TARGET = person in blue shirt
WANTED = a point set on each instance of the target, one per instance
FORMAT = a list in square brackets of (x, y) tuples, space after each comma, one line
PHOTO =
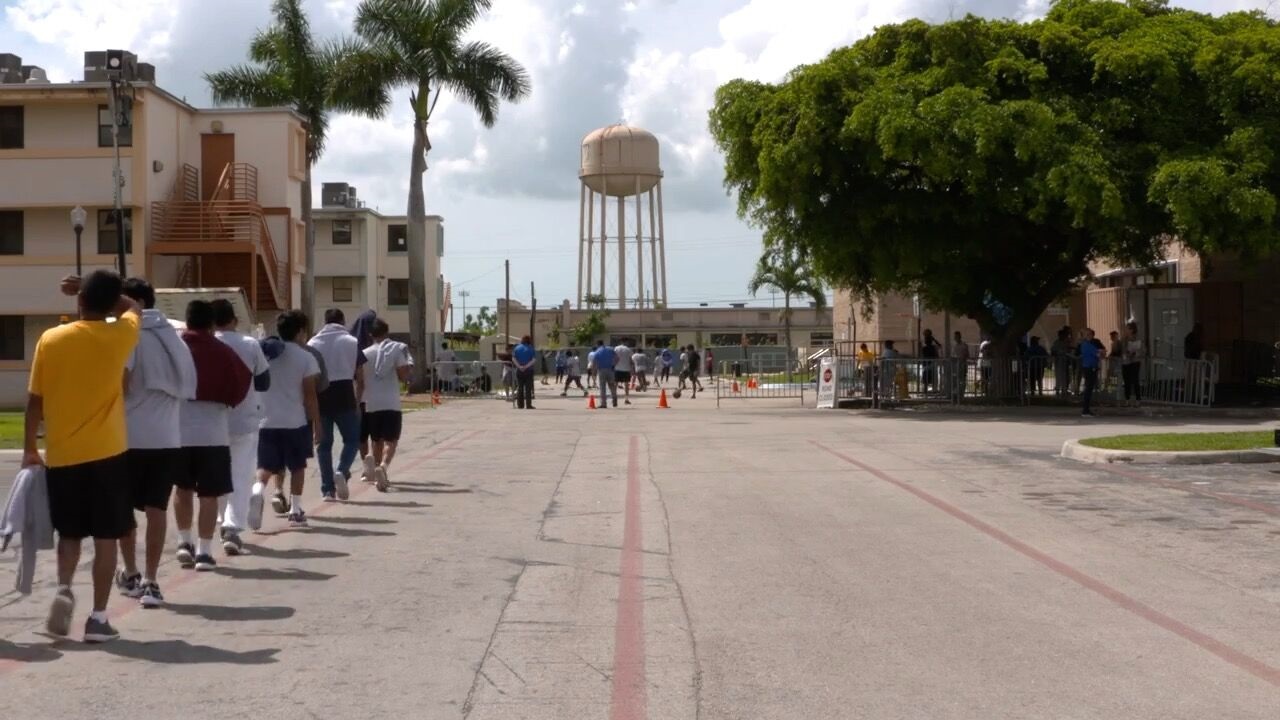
[(1090, 361), (605, 360), (524, 357)]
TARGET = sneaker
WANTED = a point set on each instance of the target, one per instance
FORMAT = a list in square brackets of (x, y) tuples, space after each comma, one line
[(380, 478), (151, 596), (99, 631), (186, 555), (628, 402), (205, 562), (280, 503), (342, 482), (64, 604), (231, 542), (298, 519), (129, 585), (369, 465), (564, 394), (329, 497), (256, 502)]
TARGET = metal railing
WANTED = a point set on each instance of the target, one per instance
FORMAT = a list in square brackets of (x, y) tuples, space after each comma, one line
[(733, 384), (475, 379)]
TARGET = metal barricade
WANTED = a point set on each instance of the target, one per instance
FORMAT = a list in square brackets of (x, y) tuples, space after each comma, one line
[(1175, 381), (476, 379), (756, 385)]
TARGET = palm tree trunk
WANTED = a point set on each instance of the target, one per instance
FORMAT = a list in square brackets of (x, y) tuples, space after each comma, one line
[(786, 325), (308, 303), (417, 232)]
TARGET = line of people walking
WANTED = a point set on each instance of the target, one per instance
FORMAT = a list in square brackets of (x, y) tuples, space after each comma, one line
[(138, 412)]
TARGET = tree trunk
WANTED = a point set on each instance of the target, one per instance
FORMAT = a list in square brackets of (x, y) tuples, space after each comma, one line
[(786, 328), (308, 304), (417, 232)]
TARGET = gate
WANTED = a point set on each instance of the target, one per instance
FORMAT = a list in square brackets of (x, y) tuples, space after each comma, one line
[(734, 384), (476, 379)]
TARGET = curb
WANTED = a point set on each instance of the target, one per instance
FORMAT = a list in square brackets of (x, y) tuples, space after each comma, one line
[(1075, 450)]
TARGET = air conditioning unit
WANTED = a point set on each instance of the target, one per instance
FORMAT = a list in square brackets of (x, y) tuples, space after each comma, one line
[(103, 65), (334, 195), (10, 68)]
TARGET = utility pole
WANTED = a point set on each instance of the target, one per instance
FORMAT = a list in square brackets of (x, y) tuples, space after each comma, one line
[(464, 294), (533, 313), (506, 330)]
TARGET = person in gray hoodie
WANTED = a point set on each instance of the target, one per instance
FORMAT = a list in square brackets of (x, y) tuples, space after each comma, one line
[(388, 365), (159, 377)]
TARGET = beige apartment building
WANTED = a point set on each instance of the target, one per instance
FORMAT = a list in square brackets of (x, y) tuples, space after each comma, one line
[(212, 198), (362, 261)]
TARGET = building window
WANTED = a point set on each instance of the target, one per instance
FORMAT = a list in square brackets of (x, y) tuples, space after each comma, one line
[(11, 127), (104, 129), (12, 340), (439, 241), (341, 232), (11, 232), (344, 289), (108, 238), (821, 339), (397, 238), (397, 292)]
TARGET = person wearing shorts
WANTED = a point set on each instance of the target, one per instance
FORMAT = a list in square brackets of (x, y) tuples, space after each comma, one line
[(290, 427), (623, 368), (387, 364), (159, 377), (75, 389), (222, 382)]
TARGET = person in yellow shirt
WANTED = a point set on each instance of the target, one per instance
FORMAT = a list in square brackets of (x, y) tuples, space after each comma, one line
[(866, 358), (76, 387)]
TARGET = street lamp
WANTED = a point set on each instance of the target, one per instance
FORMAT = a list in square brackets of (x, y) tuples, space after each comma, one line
[(78, 216)]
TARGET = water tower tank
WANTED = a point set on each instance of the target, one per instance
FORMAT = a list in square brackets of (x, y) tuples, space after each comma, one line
[(615, 158)]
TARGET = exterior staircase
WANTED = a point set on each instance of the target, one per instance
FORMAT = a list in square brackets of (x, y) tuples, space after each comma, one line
[(223, 241)]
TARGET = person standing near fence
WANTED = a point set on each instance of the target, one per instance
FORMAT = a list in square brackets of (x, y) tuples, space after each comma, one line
[(930, 351), (866, 359), (573, 373), (711, 365), (960, 360), (525, 357), (1061, 351), (604, 359), (1131, 369), (1115, 359), (1037, 356), (1090, 362), (561, 364)]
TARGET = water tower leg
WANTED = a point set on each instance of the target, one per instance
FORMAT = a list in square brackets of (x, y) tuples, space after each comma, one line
[(582, 235), (662, 244), (639, 249), (590, 198), (622, 252), (604, 234), (654, 292)]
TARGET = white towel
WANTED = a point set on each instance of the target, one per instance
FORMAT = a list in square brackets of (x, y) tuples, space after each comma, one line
[(388, 353), (163, 358)]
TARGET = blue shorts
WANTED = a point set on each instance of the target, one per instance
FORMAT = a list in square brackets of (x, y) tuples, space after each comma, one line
[(281, 449)]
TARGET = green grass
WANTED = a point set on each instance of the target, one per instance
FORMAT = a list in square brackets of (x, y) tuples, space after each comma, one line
[(10, 430), (1184, 441), (781, 377)]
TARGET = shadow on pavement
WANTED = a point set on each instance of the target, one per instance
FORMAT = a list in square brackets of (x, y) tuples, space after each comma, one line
[(295, 553), (348, 532), (352, 520), (27, 653), (178, 652), (226, 612), (273, 574), (390, 504), (412, 488)]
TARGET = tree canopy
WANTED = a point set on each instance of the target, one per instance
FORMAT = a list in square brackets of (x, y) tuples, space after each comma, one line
[(985, 163)]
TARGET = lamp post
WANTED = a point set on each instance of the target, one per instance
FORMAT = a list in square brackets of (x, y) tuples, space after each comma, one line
[(78, 216)]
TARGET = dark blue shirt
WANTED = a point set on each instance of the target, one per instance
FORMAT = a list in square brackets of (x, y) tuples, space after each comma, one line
[(1090, 354), (605, 358), (523, 355)]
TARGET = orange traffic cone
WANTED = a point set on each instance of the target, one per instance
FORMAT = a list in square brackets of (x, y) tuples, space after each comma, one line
[(751, 383), (591, 402), (435, 398), (735, 386), (662, 400)]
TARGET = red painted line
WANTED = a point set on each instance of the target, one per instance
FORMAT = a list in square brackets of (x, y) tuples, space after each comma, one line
[(1221, 497), (1249, 664), (629, 698), (179, 579)]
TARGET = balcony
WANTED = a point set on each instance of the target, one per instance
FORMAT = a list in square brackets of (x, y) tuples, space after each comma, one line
[(224, 239)]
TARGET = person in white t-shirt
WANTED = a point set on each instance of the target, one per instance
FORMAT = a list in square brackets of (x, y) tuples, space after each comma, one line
[(641, 363), (290, 427), (623, 367), (388, 364), (233, 509)]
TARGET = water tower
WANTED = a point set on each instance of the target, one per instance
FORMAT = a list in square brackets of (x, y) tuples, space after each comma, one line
[(624, 263)]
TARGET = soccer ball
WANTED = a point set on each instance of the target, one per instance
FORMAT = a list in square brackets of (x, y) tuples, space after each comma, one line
[(676, 393)]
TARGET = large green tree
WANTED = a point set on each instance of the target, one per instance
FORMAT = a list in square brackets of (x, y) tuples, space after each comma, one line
[(985, 163), (291, 69), (784, 270), (419, 44)]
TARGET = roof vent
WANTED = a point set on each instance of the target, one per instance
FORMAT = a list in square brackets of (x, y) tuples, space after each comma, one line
[(35, 75)]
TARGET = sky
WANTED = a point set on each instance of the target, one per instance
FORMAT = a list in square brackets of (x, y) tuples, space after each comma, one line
[(511, 192)]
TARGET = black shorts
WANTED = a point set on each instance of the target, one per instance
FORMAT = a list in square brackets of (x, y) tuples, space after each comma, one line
[(622, 376), (152, 473), (281, 449), (92, 499), (364, 425), (384, 425), (206, 470)]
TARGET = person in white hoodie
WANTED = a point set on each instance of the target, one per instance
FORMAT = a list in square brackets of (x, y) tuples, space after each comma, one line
[(389, 364), (233, 509), (339, 403), (158, 378)]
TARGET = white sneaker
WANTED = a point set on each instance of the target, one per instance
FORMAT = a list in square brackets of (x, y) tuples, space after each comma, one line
[(340, 484), (369, 466), (380, 478), (256, 502)]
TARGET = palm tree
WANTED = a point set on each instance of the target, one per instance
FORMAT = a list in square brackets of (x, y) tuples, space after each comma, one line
[(783, 270), (419, 44), (292, 70)]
